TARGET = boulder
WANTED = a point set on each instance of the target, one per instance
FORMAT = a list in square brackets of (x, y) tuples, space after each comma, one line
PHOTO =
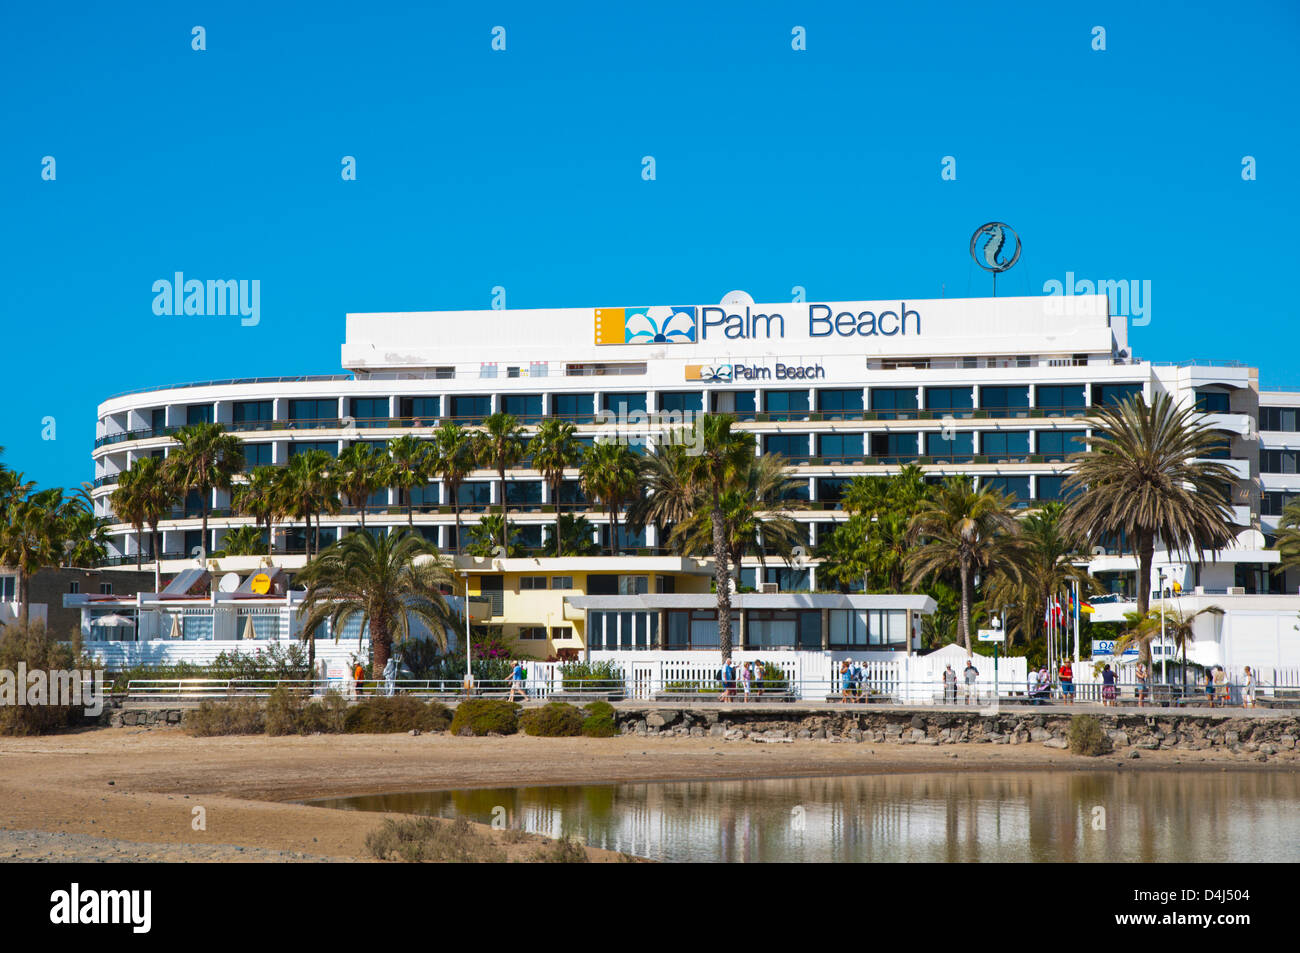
[(1039, 734), (1056, 743)]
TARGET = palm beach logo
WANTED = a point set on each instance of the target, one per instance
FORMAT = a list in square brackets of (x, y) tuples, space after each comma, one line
[(652, 325), (995, 246)]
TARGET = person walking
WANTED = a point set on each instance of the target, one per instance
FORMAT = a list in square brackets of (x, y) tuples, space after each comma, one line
[(971, 674), (728, 681), (746, 678), (517, 681), (359, 677), (1248, 689), (1108, 686), (949, 686), (1066, 675), (846, 680)]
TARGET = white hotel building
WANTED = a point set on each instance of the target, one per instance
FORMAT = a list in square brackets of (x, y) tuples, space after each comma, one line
[(991, 387)]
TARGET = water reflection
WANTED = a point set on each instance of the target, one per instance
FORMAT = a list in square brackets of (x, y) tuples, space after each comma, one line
[(1042, 816)]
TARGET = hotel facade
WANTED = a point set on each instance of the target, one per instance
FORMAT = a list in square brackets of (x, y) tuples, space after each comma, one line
[(996, 388)]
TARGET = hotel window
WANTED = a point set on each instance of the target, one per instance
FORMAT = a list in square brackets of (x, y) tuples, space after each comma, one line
[(539, 369), (738, 402), (424, 497), (8, 588), (625, 540), (1017, 486), (575, 408), (487, 370), (840, 446), (1008, 445), (1053, 488), (257, 455), (1103, 394), (444, 373), (798, 489), (949, 399), (959, 448), (894, 403), (365, 409), (831, 489), (1273, 502), (602, 584), (621, 404), (774, 628), (633, 585), (105, 588), (665, 585), (423, 409), (571, 493), (524, 492), (561, 582), (696, 628), (471, 409), (1065, 401), (327, 446), (1212, 402), (527, 407), (246, 414), (786, 404), (561, 632), (532, 633), (1280, 419), (158, 419), (74, 588), (1058, 444), (854, 628), (681, 400), (793, 446), (512, 372), (1220, 449), (1005, 401), (840, 404), (314, 413), (895, 446), (198, 414), (1279, 461), (623, 630), (475, 493)]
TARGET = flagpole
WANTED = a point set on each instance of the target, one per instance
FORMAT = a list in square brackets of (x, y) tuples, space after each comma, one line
[(1077, 596)]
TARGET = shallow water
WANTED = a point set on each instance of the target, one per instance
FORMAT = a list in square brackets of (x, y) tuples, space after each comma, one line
[(1066, 816)]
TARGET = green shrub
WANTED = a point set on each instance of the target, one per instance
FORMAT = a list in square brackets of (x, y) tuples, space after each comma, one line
[(485, 716), (325, 716), (578, 676), (771, 679), (552, 720), (431, 841), (563, 851), (285, 711), (386, 715), (35, 648), (275, 662), (600, 720), (692, 688), (241, 717), (1087, 737)]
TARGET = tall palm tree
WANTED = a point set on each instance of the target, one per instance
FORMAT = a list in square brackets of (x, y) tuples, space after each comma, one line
[(85, 535), (360, 472), (128, 503), (453, 447), (554, 449), (242, 541), (386, 582), (484, 538), (262, 497), (500, 446), (610, 476), (30, 540), (206, 459), (1288, 537), (723, 459), (668, 498), (1144, 475), (158, 494), (963, 529), (308, 490), (409, 465)]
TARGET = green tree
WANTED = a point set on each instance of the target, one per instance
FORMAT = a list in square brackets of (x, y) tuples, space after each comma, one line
[(963, 530), (1145, 476), (30, 540), (308, 490), (454, 461), (359, 472), (262, 496), (486, 535), (386, 582), (610, 476), (206, 459), (554, 450), (667, 496), (242, 541), (409, 466), (499, 446), (1288, 537)]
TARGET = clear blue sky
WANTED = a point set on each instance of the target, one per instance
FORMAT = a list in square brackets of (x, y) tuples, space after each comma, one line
[(522, 168)]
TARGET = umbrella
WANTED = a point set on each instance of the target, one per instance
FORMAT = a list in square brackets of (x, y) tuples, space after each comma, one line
[(176, 628), (249, 631), (113, 619)]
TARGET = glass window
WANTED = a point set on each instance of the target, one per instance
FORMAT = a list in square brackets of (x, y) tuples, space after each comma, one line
[(158, 419), (1008, 443), (1052, 488), (419, 408), (1055, 400), (365, 409), (840, 404), (198, 414), (302, 446), (474, 493), (527, 407), (621, 404), (1004, 398), (524, 492), (1278, 461), (831, 489), (786, 404), (1103, 394), (840, 446), (245, 412), (1060, 443), (471, 409), (1280, 419), (891, 400), (575, 408), (769, 628), (794, 446), (681, 400), (314, 413), (949, 398), (1009, 485), (595, 630), (961, 444), (895, 446), (561, 582), (529, 583), (257, 455), (738, 402), (1212, 402)]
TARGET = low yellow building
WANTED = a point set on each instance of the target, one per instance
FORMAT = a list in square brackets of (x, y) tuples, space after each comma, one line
[(526, 596)]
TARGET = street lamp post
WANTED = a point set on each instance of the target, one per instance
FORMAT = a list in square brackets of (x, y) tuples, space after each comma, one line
[(469, 672), (1163, 680)]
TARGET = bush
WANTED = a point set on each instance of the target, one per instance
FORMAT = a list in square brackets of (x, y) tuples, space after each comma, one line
[(428, 840), (563, 851), (552, 720), (577, 676), (1087, 737), (600, 721), (38, 651), (485, 716), (242, 717), (276, 662), (771, 679), (383, 715), (285, 711)]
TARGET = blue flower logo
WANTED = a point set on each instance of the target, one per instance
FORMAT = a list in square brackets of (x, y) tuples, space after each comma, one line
[(659, 325)]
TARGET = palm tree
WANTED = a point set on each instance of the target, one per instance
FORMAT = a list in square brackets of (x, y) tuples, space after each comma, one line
[(963, 529), (308, 490), (29, 541), (243, 541), (1144, 476), (262, 497), (555, 449), (384, 581), (668, 497), (127, 501), (453, 448), (485, 535), (577, 532), (410, 463), (610, 476), (208, 458), (887, 506), (1142, 629), (157, 495), (842, 554), (360, 471), (500, 446), (723, 458), (85, 535), (1288, 537)]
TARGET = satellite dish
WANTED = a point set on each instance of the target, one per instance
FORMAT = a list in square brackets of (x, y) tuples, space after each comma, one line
[(229, 582), (1099, 550), (737, 298)]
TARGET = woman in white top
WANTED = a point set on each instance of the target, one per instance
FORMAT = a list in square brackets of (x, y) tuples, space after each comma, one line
[(1248, 689), (746, 676)]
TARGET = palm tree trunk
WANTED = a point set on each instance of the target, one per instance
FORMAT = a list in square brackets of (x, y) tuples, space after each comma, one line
[(363, 511), (455, 503), (379, 646), (559, 545), (502, 474), (157, 560), (722, 579), (410, 505), (1146, 556), (965, 603), (22, 596), (203, 508), (139, 545)]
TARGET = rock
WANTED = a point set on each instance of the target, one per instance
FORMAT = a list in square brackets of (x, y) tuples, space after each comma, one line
[(710, 717), (1231, 738), (1287, 742), (655, 719), (819, 733), (1268, 749), (1119, 738), (1055, 743), (413, 732), (1039, 734), (697, 732), (717, 731), (927, 741), (918, 723), (1261, 757), (803, 734), (733, 734), (917, 734), (1134, 754), (1149, 745)]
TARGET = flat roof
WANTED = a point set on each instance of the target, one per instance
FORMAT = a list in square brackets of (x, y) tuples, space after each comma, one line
[(753, 600)]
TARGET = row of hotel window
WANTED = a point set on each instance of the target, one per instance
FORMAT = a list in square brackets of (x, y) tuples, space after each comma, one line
[(764, 628), (783, 404)]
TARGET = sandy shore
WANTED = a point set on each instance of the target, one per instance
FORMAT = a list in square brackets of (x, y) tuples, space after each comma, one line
[(130, 793)]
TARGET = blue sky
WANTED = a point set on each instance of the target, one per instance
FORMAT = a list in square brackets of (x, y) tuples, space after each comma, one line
[(522, 168)]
